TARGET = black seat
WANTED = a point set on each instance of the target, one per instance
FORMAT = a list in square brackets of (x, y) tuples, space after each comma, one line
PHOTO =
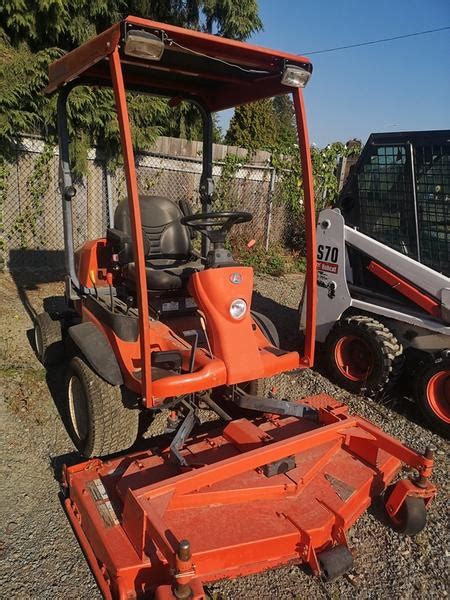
[(169, 257)]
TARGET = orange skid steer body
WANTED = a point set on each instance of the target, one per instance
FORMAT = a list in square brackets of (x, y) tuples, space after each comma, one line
[(283, 485)]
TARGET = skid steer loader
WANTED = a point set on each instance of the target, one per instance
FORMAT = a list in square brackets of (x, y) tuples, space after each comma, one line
[(383, 272)]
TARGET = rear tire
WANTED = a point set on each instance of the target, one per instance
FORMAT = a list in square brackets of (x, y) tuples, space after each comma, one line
[(432, 394), (362, 355), (100, 423), (48, 340)]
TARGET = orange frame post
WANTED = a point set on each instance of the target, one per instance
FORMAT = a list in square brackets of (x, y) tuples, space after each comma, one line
[(136, 224), (310, 228)]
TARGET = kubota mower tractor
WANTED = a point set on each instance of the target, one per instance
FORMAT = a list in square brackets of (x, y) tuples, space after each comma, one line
[(153, 326), (383, 273)]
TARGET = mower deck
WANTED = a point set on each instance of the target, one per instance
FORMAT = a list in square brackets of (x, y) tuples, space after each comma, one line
[(255, 496)]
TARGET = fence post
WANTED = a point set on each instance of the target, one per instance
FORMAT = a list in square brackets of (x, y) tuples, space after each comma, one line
[(270, 206), (109, 197)]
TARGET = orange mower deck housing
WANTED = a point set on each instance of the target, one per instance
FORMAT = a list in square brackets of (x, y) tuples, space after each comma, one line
[(130, 513)]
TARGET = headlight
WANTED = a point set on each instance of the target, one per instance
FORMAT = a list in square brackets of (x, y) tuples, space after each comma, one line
[(143, 44), (238, 308), (295, 76)]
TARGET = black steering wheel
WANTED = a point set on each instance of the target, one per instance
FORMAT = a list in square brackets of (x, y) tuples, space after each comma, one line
[(215, 225)]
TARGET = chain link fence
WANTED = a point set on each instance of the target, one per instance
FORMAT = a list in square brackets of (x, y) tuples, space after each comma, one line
[(31, 215)]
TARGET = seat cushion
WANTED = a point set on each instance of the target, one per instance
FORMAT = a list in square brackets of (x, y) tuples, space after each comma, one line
[(163, 277)]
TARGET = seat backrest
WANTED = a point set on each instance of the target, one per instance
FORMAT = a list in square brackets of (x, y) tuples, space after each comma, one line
[(165, 238)]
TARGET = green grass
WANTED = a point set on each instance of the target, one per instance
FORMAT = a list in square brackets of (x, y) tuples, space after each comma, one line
[(275, 261)]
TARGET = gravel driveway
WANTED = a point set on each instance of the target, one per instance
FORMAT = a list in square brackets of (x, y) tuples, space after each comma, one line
[(40, 557)]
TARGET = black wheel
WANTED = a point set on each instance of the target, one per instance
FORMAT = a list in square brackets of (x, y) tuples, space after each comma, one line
[(411, 518), (100, 422), (362, 355), (258, 386), (432, 394), (48, 340), (335, 562), (267, 327)]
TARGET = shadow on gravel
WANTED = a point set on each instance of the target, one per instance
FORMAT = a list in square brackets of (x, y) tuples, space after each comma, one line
[(378, 510), (30, 281), (284, 318), (68, 459)]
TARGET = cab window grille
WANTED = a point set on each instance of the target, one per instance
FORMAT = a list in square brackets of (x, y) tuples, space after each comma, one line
[(432, 167), (386, 198)]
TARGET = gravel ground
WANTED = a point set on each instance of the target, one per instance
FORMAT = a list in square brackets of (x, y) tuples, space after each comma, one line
[(40, 557)]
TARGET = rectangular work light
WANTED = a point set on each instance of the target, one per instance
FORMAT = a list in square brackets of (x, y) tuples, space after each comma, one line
[(295, 76), (143, 44)]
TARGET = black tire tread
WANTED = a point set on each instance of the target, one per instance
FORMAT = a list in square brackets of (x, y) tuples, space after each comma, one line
[(260, 387), (113, 426), (411, 517), (51, 336), (391, 349), (267, 327)]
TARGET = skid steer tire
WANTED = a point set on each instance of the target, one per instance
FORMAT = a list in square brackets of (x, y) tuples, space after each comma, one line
[(100, 423), (432, 394), (48, 340), (363, 356)]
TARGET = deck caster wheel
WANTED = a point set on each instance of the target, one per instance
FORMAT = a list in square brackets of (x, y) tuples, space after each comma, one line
[(411, 518), (335, 562), (48, 340)]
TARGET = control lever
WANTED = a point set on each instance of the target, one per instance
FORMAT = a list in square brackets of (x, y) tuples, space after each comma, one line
[(129, 302), (192, 333), (92, 278), (109, 281)]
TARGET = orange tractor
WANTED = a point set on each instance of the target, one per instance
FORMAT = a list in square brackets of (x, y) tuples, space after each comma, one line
[(154, 326)]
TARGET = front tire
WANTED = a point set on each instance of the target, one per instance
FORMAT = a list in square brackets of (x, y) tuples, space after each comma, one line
[(432, 394), (258, 387), (362, 355), (100, 423), (267, 327)]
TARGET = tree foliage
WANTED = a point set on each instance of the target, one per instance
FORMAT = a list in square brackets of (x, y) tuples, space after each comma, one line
[(263, 125), (237, 20), (270, 125), (253, 126), (33, 33), (285, 121)]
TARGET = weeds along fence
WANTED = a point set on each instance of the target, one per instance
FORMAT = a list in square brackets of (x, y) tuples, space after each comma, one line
[(30, 209)]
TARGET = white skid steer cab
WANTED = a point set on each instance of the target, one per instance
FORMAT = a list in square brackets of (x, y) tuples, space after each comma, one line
[(383, 273)]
